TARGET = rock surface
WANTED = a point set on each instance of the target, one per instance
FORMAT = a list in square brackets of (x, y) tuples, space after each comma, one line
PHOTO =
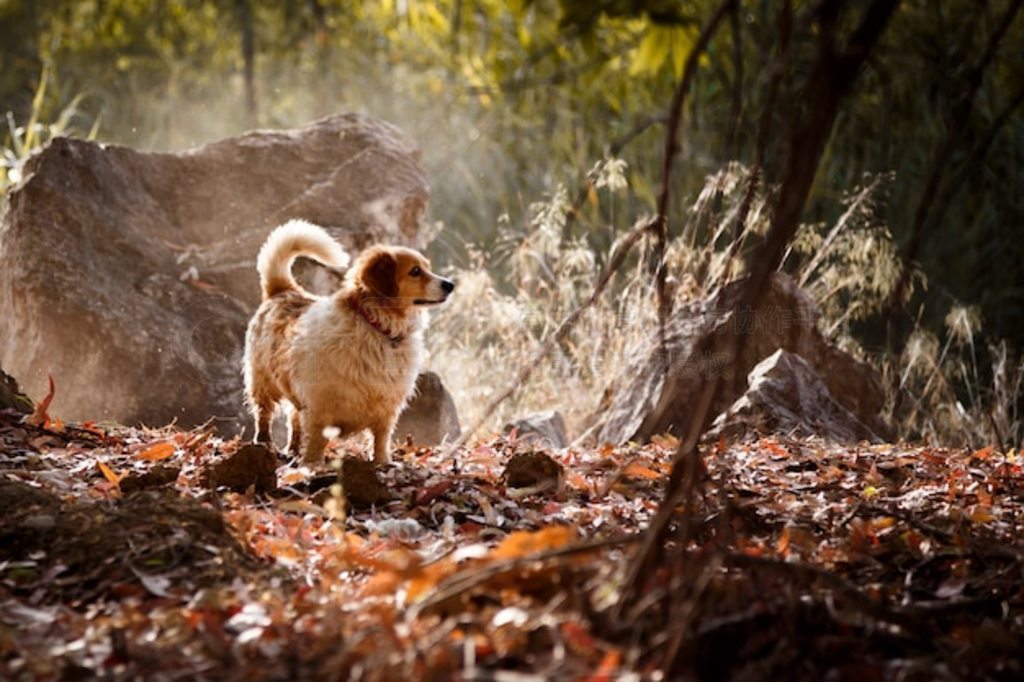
[(647, 399), (130, 276), (431, 416), (11, 397), (787, 396), (544, 429)]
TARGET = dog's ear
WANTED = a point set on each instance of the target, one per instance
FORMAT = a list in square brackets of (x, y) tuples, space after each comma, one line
[(380, 275)]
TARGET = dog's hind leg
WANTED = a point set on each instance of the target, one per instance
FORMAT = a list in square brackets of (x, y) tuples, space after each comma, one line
[(295, 434)]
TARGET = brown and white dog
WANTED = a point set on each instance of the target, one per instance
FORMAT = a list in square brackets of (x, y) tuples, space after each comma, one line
[(347, 361)]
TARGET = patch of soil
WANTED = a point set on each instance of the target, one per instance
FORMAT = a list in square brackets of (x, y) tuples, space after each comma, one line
[(160, 475), (531, 469), (77, 552), (251, 465), (360, 483)]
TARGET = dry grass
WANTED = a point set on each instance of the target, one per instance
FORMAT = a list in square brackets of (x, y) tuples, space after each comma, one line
[(944, 388)]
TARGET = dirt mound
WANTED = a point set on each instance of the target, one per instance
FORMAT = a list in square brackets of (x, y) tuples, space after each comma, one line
[(80, 551)]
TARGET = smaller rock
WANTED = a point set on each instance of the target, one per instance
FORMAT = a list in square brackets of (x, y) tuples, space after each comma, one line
[(360, 484), (543, 429), (161, 474), (430, 417), (787, 395), (251, 465), (11, 397), (533, 470), (400, 529)]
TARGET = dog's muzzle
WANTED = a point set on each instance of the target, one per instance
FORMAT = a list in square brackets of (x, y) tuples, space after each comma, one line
[(447, 287)]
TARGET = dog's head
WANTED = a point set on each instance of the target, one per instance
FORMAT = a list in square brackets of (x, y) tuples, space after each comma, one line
[(399, 278)]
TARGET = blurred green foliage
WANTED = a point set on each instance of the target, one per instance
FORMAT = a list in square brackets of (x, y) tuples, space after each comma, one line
[(514, 102)]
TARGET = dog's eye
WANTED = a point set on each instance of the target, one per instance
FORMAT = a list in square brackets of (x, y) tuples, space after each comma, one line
[(415, 272)]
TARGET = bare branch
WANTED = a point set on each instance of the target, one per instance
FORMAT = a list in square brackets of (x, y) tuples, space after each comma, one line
[(831, 77)]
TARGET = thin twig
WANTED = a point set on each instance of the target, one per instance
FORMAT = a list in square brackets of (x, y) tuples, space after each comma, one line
[(467, 580), (736, 119), (660, 223), (764, 125)]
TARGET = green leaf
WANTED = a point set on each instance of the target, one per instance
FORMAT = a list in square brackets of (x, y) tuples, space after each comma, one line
[(652, 52)]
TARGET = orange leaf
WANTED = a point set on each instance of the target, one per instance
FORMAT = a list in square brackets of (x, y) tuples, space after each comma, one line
[(39, 416), (754, 550), (983, 453), (575, 480), (108, 473), (203, 286), (666, 440), (282, 549), (292, 477), (523, 543), (637, 470), (782, 546), (606, 669), (91, 427), (385, 582), (981, 515), (155, 453), (774, 448), (429, 577), (578, 638)]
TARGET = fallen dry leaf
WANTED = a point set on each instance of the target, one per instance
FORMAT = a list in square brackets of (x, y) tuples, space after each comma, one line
[(158, 452), (39, 416)]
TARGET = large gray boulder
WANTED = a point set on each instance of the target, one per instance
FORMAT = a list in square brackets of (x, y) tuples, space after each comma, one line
[(786, 396), (129, 276), (656, 391)]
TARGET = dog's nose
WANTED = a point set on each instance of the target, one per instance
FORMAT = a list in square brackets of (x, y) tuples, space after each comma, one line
[(448, 286)]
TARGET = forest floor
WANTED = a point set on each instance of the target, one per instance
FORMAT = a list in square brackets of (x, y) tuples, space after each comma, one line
[(816, 562)]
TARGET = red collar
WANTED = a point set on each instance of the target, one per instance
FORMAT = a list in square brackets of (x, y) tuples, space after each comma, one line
[(375, 323)]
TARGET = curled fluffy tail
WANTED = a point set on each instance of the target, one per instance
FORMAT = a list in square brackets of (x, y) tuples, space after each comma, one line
[(295, 238)]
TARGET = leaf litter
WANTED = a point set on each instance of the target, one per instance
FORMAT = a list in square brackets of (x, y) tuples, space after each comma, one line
[(809, 561)]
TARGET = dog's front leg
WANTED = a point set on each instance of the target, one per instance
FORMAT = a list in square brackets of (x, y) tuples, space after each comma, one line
[(313, 441), (262, 411), (382, 442)]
